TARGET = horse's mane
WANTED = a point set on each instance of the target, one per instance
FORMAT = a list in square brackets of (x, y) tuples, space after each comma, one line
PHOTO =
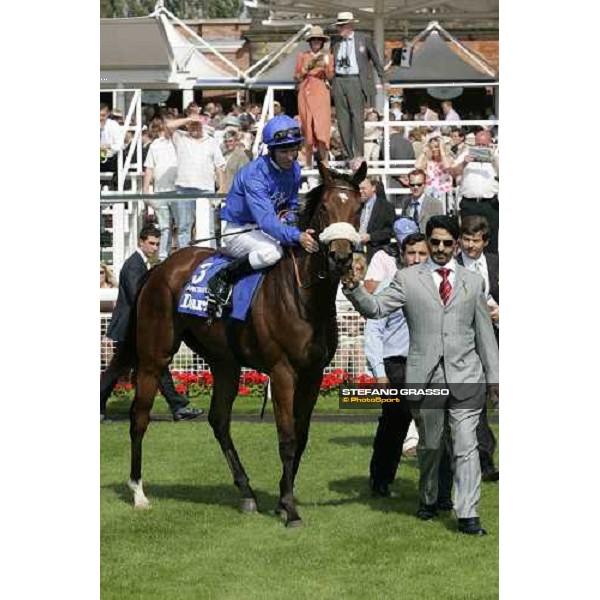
[(314, 197)]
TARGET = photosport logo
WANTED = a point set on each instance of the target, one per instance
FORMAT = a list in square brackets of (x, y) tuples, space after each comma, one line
[(373, 395), (414, 395)]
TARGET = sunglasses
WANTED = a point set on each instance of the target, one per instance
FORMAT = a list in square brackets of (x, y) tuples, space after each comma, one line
[(102, 273), (279, 136), (435, 242), (416, 184)]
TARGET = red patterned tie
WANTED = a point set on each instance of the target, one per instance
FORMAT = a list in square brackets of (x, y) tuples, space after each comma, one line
[(445, 287)]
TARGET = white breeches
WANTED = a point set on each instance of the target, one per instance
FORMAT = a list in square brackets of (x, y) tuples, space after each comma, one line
[(262, 249)]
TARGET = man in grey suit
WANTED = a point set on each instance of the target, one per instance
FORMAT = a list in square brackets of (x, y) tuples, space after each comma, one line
[(420, 207), (452, 345), (352, 87)]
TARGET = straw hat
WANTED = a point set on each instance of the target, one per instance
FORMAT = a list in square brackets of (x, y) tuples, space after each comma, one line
[(316, 33), (345, 17)]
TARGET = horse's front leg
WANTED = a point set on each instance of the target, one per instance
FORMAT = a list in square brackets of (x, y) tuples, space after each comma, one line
[(283, 384), (307, 392)]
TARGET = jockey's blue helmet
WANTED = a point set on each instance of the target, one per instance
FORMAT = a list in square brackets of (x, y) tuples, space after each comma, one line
[(282, 131)]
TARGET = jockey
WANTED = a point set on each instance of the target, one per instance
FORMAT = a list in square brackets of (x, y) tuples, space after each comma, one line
[(259, 193)]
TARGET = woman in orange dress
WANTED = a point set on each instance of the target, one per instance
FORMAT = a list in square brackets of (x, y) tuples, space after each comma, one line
[(314, 70)]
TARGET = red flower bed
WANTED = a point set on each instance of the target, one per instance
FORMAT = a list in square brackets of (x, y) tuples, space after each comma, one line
[(252, 383)]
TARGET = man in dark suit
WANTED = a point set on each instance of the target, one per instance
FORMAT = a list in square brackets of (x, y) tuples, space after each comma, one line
[(377, 218), (474, 238), (130, 279), (352, 87)]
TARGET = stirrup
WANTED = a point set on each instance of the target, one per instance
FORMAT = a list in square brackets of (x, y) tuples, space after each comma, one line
[(216, 305)]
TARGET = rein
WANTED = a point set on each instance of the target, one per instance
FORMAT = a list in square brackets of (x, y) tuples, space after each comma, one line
[(321, 275)]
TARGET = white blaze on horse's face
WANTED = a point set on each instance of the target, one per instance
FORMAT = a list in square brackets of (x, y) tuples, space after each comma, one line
[(343, 197)]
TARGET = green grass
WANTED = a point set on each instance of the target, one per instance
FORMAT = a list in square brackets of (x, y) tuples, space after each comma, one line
[(194, 543), (243, 405)]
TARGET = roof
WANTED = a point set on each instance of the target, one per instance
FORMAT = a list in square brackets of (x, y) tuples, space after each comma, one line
[(435, 62), (282, 72), (149, 52), (133, 44)]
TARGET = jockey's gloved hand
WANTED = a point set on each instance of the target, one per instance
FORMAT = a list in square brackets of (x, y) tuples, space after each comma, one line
[(308, 242)]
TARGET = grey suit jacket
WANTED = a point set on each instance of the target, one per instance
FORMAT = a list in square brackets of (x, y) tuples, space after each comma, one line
[(365, 51), (430, 207), (400, 148), (461, 332)]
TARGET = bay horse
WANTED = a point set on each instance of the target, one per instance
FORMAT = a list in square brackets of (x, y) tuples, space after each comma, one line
[(290, 334)]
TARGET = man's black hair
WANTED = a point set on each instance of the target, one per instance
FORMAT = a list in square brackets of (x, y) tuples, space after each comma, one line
[(450, 224), (149, 231), (411, 240)]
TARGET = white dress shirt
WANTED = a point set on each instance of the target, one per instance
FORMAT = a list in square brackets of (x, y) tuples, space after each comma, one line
[(478, 178), (112, 134), (144, 258), (452, 115), (347, 45)]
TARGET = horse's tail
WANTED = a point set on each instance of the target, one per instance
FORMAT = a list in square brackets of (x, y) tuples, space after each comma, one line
[(128, 348)]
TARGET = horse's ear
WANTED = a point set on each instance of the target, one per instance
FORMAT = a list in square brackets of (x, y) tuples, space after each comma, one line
[(325, 172), (360, 175)]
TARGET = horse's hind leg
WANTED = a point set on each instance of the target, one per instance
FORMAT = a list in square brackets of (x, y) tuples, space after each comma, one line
[(139, 416), (225, 389)]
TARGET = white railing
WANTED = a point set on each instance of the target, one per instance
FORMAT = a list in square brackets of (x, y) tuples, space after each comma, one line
[(349, 356), (126, 211)]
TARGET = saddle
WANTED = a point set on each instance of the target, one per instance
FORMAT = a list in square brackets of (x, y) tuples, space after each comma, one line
[(194, 296)]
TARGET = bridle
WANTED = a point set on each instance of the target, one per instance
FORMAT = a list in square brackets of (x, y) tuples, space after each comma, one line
[(321, 274)]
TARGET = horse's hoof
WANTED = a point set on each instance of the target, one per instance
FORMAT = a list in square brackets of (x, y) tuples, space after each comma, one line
[(141, 504), (248, 505)]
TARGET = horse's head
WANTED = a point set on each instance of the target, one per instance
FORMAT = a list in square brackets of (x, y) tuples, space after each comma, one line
[(332, 211)]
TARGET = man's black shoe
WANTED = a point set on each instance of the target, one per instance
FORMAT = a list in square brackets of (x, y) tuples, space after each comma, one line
[(186, 414), (490, 475), (427, 512), (471, 526), (445, 505), (380, 489)]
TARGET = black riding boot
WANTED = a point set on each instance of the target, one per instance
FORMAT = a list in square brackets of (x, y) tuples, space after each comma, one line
[(219, 286)]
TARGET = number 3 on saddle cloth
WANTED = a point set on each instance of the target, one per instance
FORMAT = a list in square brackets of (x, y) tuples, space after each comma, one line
[(194, 297)]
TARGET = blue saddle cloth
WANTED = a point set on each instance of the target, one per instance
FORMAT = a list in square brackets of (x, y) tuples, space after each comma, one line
[(194, 297)]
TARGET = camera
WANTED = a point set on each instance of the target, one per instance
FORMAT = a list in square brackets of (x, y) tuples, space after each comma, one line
[(343, 63)]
